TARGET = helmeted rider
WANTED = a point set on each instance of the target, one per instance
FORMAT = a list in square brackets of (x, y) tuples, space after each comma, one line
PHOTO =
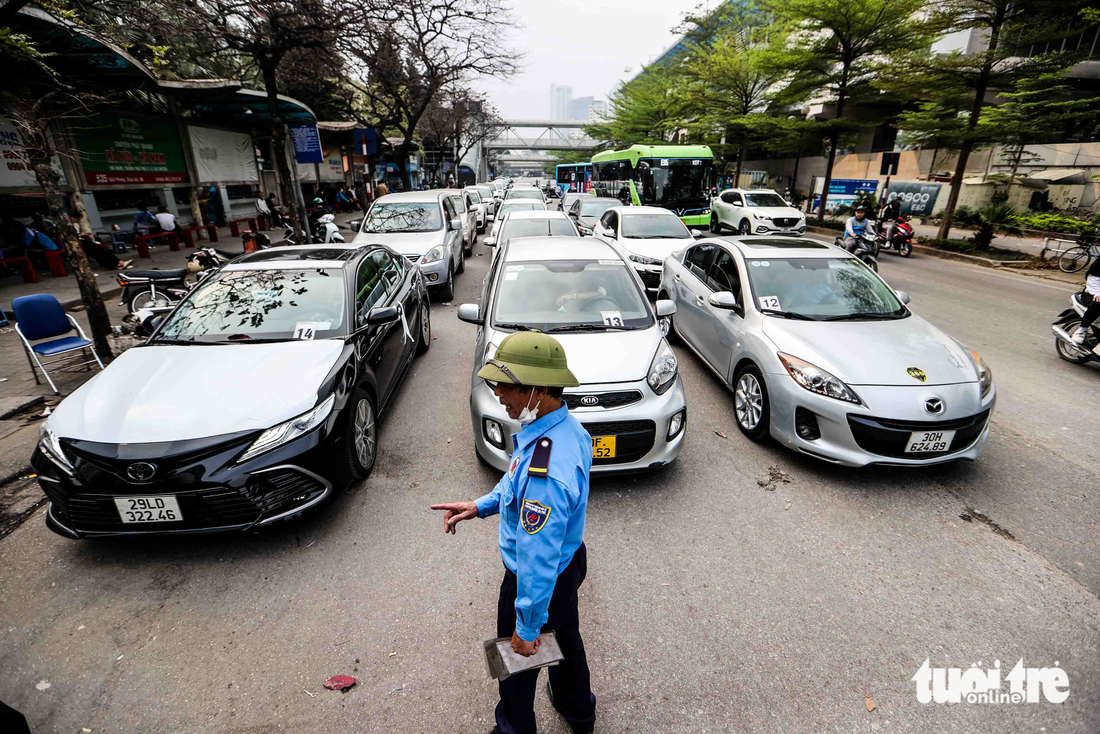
[(1092, 312), (855, 228), (889, 218)]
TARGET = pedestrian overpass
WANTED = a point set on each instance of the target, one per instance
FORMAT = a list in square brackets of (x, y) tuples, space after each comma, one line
[(548, 135)]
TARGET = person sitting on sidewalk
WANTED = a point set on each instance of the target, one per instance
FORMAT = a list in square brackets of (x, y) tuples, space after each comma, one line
[(95, 249), (144, 219), (167, 220)]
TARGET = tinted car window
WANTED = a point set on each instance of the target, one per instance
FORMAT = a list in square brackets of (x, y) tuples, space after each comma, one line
[(402, 217), (768, 199), (697, 259), (728, 197), (515, 228), (370, 287), (391, 271), (722, 275), (822, 287), (596, 206)]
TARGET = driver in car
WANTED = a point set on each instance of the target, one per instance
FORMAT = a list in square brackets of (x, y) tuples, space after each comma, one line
[(596, 290)]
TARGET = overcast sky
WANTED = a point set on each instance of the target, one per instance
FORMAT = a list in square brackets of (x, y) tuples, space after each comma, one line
[(583, 44)]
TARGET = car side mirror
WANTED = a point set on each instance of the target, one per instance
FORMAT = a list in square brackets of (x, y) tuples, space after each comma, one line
[(696, 233), (723, 299), (490, 217), (902, 296), (383, 315), (456, 223), (470, 313), (355, 224), (665, 307), (489, 241)]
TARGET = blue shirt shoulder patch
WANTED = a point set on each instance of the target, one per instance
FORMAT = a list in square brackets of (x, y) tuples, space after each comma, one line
[(533, 515)]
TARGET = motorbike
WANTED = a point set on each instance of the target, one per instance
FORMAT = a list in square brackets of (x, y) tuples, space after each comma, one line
[(866, 247), (900, 237), (1067, 323), (328, 230), (142, 289)]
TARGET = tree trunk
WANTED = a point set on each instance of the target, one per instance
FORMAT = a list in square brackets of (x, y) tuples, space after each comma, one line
[(932, 165), (100, 323), (740, 162), (279, 146), (834, 140), (402, 153), (196, 212), (794, 176)]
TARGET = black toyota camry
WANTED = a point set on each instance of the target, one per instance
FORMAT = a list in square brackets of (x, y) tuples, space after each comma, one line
[(255, 399)]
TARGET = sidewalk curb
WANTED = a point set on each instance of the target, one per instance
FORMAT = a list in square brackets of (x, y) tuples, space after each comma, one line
[(984, 262), (17, 475), (80, 301), (37, 400)]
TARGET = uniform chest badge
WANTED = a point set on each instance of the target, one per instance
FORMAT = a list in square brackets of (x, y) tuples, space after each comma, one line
[(533, 516), (512, 468)]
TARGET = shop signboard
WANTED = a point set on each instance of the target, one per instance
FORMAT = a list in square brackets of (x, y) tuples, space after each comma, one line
[(844, 191), (223, 156), (123, 149), (332, 167), (15, 171), (917, 197), (307, 143)]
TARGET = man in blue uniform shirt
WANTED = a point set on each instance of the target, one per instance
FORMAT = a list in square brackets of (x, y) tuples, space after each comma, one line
[(542, 502)]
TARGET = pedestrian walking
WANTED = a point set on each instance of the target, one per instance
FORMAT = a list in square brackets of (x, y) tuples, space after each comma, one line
[(542, 502), (382, 188)]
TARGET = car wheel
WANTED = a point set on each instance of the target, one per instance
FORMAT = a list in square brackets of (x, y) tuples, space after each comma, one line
[(715, 225), (145, 299), (750, 402), (425, 340), (461, 261), (360, 444), (745, 229), (447, 290), (1071, 353)]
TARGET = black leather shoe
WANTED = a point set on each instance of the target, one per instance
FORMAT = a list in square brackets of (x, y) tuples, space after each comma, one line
[(550, 693)]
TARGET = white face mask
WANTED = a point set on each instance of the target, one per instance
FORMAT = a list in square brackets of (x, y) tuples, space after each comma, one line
[(529, 414)]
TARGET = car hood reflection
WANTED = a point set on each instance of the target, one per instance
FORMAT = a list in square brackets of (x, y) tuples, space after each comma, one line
[(406, 243), (604, 356), (172, 393)]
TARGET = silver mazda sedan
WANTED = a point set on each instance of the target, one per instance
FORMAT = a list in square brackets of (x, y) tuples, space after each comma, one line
[(631, 399), (823, 355)]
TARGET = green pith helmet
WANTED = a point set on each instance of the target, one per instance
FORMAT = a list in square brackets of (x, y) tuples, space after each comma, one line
[(529, 358), (318, 200)]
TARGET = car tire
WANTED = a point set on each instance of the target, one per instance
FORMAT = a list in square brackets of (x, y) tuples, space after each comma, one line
[(744, 229), (144, 299), (424, 341), (461, 268), (715, 224), (447, 290), (750, 403), (360, 444)]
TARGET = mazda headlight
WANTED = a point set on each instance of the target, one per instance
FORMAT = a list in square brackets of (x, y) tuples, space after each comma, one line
[(433, 255), (643, 260), (817, 380), (985, 375), (292, 429), (51, 448), (662, 370)]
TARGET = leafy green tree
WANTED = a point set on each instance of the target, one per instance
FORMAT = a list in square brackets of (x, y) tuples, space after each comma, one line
[(647, 109), (833, 49)]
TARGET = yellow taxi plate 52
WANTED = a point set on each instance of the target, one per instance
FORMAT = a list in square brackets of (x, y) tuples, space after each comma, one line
[(603, 447)]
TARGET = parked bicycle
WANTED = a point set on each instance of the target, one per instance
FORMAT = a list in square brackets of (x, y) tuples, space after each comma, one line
[(1078, 257)]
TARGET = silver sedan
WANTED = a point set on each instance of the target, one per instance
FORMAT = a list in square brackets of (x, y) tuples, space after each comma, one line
[(631, 399), (823, 355)]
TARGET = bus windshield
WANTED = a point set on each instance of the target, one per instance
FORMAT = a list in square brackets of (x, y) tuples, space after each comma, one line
[(673, 182)]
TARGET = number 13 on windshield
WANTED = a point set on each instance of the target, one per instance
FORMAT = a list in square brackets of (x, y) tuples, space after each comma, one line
[(612, 318)]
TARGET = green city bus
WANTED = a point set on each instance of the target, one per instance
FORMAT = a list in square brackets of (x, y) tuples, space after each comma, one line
[(676, 177)]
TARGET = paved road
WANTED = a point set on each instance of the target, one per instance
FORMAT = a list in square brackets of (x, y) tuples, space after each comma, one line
[(713, 603)]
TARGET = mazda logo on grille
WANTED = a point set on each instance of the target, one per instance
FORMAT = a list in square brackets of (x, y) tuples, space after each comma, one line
[(934, 406), (141, 471), (590, 400)]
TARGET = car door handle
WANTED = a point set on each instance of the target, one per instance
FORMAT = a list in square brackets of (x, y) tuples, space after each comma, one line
[(699, 300), (677, 277)]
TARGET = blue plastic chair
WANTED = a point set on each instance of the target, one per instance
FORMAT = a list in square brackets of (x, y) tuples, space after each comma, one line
[(41, 317)]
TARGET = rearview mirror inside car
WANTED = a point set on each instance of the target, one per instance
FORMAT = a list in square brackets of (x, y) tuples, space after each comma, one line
[(665, 307), (383, 315), (470, 313), (723, 299)]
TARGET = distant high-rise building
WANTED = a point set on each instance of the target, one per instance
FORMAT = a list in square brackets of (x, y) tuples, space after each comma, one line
[(597, 110), (561, 98), (579, 107)]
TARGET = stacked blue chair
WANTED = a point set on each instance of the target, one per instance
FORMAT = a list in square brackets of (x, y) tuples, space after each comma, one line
[(40, 317)]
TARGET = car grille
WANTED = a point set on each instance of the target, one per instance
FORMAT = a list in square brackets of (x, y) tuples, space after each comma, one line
[(605, 399), (649, 279), (633, 439), (888, 437), (210, 507), (273, 490), (785, 221)]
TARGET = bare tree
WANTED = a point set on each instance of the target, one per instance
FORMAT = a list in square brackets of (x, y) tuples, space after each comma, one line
[(408, 53), (459, 120)]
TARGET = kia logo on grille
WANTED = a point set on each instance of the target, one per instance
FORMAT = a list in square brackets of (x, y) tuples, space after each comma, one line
[(141, 471), (590, 400), (934, 406)]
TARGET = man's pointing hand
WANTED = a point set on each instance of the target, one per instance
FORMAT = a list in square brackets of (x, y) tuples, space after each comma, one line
[(456, 513)]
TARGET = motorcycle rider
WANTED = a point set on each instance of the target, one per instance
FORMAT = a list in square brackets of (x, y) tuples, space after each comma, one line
[(889, 218), (855, 228), (1092, 286)]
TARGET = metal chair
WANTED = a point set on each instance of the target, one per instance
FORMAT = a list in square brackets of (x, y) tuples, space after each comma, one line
[(40, 317)]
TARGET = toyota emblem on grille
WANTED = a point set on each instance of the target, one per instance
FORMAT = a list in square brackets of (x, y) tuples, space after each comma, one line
[(590, 400), (934, 406), (141, 471)]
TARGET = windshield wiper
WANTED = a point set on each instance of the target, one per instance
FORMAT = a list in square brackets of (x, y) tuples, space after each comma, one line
[(185, 342), (855, 316), (513, 327), (788, 314), (245, 339), (592, 327)]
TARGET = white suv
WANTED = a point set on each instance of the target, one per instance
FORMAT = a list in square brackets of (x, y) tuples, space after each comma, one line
[(756, 211)]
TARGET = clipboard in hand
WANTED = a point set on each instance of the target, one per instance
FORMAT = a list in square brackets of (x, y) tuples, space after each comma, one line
[(504, 662)]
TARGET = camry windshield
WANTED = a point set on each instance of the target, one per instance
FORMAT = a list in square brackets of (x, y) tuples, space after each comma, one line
[(402, 217), (260, 305), (569, 295), (516, 228), (822, 289), (597, 206), (764, 200), (524, 194), (654, 227)]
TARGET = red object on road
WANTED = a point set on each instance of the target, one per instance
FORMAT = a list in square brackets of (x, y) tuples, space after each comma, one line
[(339, 682)]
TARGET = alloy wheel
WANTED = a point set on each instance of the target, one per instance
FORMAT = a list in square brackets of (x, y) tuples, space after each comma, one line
[(748, 402), (365, 433), (745, 228), (425, 323)]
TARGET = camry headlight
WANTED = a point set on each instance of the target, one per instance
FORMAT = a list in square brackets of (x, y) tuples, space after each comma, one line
[(51, 448), (985, 375), (817, 380), (433, 255), (643, 260), (292, 429), (662, 370)]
